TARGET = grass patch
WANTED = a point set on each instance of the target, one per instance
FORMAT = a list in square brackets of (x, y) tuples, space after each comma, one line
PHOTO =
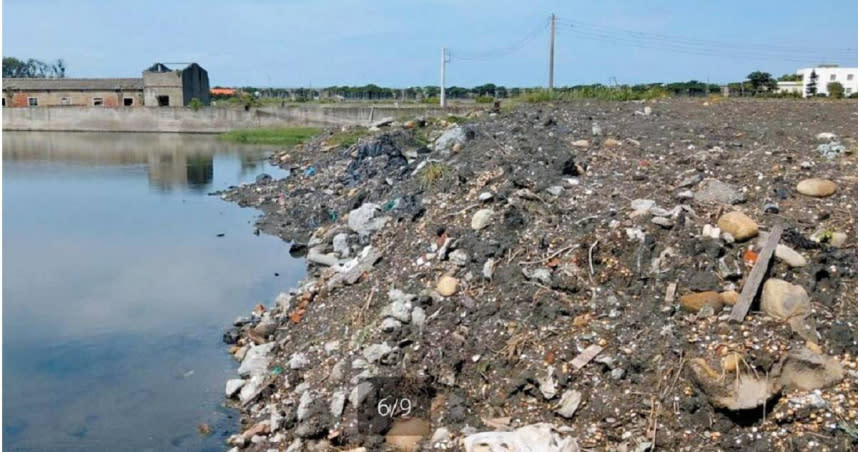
[(346, 138), (434, 174), (287, 136), (615, 93)]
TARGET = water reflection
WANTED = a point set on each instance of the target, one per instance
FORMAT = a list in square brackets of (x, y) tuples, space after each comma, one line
[(117, 286)]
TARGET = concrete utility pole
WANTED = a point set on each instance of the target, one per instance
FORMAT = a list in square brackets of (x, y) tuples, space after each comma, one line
[(551, 58), (443, 76)]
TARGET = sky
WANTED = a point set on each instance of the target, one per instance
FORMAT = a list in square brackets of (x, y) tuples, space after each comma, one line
[(397, 43)]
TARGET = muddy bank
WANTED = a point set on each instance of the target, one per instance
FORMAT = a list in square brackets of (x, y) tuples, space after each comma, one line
[(564, 274)]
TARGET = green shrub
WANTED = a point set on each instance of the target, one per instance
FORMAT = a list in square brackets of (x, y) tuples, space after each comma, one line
[(195, 104), (835, 90), (431, 100), (484, 99)]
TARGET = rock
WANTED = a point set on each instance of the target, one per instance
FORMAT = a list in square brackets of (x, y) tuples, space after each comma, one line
[(304, 405), (541, 437), (399, 310), (711, 231), (359, 393), (664, 222), (837, 239), (831, 150), (441, 435), (790, 256), (390, 325), (485, 196), (690, 181), (581, 143), (642, 204), (807, 370), (447, 285), (548, 384), (647, 110), (233, 385), (489, 268), (283, 301), (694, 302), (256, 360), (298, 361), (713, 190), (231, 336), (338, 403), (596, 129), (362, 220), (263, 179), (481, 219), (405, 434), (816, 187), (569, 403), (826, 136), (450, 137), (554, 190), (737, 391), (341, 245), (251, 388), (771, 207), (783, 301), (739, 225), (458, 257), (265, 328), (375, 352), (730, 297), (418, 318)]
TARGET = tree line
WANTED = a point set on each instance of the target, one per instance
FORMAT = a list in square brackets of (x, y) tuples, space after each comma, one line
[(32, 68)]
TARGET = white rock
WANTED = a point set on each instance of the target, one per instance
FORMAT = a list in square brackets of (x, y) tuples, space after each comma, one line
[(826, 136), (233, 385), (643, 204), (250, 388), (418, 317), (390, 325), (341, 245), (569, 403), (375, 352), (359, 393), (332, 346), (399, 310), (256, 360), (363, 221), (485, 196), (458, 257), (283, 301), (554, 190), (541, 437), (449, 138), (790, 256), (489, 268), (298, 361), (304, 405)]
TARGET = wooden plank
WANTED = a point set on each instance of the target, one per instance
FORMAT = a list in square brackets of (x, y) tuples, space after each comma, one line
[(752, 285)]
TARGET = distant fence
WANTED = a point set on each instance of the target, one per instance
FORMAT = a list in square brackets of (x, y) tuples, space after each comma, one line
[(205, 120)]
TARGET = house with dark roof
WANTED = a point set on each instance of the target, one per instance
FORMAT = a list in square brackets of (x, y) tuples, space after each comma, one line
[(159, 86)]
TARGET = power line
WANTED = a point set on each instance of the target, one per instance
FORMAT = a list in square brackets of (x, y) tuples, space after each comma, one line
[(697, 46), (501, 51)]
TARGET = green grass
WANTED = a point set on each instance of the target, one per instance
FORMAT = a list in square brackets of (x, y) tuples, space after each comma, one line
[(618, 93), (286, 136), (348, 137), (434, 174)]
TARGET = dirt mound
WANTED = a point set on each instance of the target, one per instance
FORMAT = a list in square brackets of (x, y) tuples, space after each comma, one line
[(486, 274)]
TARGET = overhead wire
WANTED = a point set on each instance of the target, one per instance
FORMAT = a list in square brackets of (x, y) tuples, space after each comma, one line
[(500, 51)]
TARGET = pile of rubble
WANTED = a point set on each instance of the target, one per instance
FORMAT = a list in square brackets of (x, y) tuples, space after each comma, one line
[(566, 276)]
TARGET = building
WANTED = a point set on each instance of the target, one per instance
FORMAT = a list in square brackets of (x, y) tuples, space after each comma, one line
[(159, 86), (825, 74), (790, 87)]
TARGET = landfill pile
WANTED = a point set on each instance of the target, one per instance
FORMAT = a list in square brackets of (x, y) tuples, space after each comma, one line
[(676, 275)]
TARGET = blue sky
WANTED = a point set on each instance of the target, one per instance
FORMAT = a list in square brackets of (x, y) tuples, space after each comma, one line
[(398, 42)]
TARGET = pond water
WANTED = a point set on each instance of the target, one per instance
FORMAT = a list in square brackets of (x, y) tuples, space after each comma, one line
[(117, 287)]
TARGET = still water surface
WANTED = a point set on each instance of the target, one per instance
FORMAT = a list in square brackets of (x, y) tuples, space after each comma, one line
[(117, 288)]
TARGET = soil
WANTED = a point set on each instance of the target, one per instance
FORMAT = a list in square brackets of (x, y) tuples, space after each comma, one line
[(574, 266)]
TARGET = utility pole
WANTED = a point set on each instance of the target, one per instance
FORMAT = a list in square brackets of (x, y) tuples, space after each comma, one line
[(443, 76), (551, 58)]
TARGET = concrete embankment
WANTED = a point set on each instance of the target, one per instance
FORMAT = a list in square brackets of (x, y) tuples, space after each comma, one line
[(207, 120)]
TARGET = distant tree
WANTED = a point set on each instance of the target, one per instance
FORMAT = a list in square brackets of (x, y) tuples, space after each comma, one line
[(811, 84), (835, 90), (762, 81), (15, 68), (790, 78)]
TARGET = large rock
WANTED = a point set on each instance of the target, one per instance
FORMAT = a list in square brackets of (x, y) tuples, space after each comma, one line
[(256, 360), (363, 221), (790, 256), (739, 225), (737, 391), (807, 370), (713, 190), (783, 301), (481, 219), (694, 302), (232, 386), (816, 187), (450, 137)]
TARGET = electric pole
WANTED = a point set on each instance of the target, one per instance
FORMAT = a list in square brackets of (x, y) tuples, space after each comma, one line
[(551, 57), (443, 76)]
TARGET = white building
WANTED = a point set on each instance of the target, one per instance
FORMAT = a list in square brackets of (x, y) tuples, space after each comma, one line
[(790, 87), (846, 76)]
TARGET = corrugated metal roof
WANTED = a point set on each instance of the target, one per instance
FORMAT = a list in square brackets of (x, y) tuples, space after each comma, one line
[(72, 84)]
